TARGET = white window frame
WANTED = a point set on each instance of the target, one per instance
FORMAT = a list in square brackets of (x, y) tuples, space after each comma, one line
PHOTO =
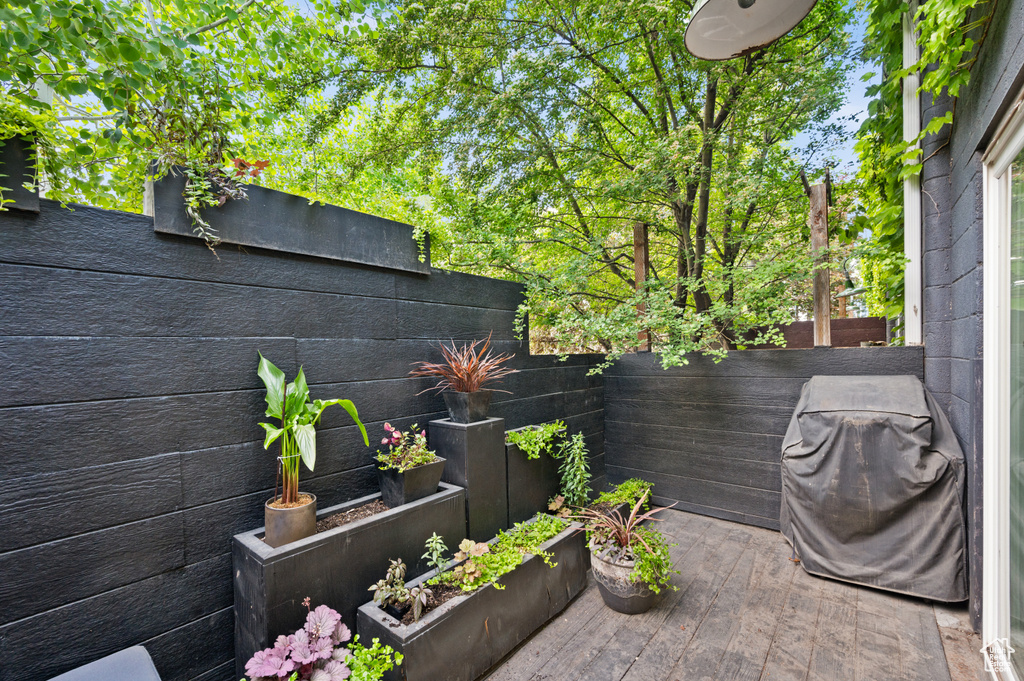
[(1006, 145)]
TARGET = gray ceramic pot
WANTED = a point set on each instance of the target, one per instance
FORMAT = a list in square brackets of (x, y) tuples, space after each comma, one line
[(285, 525), (620, 593)]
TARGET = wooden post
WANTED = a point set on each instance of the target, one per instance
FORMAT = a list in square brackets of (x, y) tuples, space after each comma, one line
[(641, 257), (817, 219)]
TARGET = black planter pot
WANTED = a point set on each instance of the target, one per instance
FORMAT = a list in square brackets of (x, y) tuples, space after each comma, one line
[(397, 488), (531, 482), (469, 634), (467, 407), (333, 568), (619, 592)]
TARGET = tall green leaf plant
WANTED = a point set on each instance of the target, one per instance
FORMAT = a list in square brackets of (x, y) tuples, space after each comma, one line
[(289, 403)]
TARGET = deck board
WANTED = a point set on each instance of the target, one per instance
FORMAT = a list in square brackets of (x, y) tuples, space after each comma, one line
[(743, 612)]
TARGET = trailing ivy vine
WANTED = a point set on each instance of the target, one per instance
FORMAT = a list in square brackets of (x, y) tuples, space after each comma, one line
[(944, 28)]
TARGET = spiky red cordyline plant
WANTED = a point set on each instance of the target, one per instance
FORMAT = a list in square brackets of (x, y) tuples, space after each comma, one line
[(465, 369), (612, 528)]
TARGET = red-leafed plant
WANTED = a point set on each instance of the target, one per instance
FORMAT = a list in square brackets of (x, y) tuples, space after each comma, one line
[(465, 369)]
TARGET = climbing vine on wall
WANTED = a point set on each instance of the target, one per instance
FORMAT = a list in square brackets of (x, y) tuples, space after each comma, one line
[(946, 29)]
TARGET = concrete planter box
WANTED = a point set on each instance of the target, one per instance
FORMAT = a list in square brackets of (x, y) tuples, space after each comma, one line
[(531, 482), (334, 568), (471, 633)]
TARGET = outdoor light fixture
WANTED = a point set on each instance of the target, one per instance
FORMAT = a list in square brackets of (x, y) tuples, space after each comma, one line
[(849, 288), (723, 29)]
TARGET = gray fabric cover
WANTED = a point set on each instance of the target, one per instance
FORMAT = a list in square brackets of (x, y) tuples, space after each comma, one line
[(873, 486), (130, 664)]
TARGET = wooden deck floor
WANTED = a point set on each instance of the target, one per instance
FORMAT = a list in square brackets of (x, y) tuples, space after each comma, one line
[(743, 611)]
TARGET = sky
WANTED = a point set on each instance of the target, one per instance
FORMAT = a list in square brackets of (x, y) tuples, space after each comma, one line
[(852, 113)]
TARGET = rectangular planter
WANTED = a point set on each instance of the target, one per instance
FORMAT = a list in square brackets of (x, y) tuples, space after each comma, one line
[(471, 633), (531, 483), (284, 222), (334, 568), (475, 454)]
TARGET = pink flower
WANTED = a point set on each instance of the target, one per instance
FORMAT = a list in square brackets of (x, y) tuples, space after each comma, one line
[(264, 663), (387, 427), (320, 623), (322, 649), (384, 441), (340, 635), (423, 433)]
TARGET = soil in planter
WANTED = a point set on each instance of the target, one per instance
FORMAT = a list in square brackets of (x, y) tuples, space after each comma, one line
[(303, 500), (442, 593), (338, 519)]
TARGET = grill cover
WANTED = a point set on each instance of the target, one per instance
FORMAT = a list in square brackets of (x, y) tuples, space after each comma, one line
[(873, 486)]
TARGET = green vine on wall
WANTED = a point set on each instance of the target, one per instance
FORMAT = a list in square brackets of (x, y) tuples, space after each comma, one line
[(946, 46)]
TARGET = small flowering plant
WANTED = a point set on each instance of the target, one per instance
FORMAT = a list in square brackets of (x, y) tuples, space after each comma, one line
[(317, 652), (405, 450)]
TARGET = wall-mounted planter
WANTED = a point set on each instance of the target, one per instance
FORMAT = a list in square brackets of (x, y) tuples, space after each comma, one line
[(334, 568), (466, 636), (531, 482), (17, 167), (475, 454), (284, 222)]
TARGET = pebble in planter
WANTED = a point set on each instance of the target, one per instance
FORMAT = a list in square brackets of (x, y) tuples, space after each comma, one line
[(504, 590), (408, 470)]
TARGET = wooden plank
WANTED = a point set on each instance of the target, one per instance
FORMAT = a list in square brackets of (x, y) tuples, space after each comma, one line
[(43, 301), (113, 620), (781, 364), (456, 288), (143, 427), (735, 498), (84, 238), (695, 443), (835, 635), (195, 648), (101, 561), (747, 649), (52, 370), (698, 465), (42, 508), (921, 655), (704, 579), (222, 672), (878, 653), (817, 220), (789, 655), (647, 410), (707, 648), (776, 392), (433, 321)]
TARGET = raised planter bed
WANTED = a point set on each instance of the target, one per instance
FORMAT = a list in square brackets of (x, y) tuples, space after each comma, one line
[(335, 567), (469, 634), (531, 483)]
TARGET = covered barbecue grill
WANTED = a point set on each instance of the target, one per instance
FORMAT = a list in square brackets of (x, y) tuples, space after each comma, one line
[(873, 486)]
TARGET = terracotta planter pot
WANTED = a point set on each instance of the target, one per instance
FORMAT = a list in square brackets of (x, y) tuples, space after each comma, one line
[(285, 525), (467, 407), (620, 593), (398, 488)]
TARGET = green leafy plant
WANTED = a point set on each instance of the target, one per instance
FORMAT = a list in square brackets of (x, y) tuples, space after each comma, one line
[(536, 439), (391, 591), (435, 552), (289, 403), (623, 539), (405, 450), (371, 663), (485, 563), (627, 492), (465, 369), (575, 470)]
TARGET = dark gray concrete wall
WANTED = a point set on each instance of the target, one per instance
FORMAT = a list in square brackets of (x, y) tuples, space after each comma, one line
[(953, 241), (709, 436), (130, 405)]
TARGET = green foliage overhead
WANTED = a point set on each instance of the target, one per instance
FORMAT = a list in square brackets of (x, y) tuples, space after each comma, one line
[(137, 81), (544, 131), (945, 30)]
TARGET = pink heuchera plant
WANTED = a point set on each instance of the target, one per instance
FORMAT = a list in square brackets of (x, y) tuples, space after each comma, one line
[(314, 653)]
